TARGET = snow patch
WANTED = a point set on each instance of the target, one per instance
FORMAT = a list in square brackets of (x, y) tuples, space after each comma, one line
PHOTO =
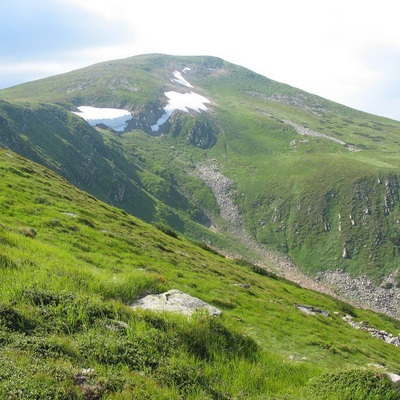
[(180, 79), (183, 102), (114, 118)]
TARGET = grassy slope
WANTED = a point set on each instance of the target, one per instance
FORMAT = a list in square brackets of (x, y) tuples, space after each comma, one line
[(297, 192), (95, 161), (288, 196), (67, 330)]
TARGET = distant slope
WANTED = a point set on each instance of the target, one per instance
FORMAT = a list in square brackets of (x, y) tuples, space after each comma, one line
[(71, 266), (311, 178)]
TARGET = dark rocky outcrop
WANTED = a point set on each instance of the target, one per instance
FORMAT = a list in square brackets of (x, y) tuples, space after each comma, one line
[(146, 116), (202, 135), (197, 131)]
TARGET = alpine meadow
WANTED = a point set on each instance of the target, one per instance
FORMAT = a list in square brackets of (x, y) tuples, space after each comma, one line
[(159, 175)]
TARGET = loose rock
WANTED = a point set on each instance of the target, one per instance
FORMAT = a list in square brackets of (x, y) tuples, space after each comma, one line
[(382, 335)]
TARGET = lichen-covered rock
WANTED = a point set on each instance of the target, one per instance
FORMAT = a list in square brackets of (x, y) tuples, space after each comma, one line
[(312, 310), (175, 301), (202, 135)]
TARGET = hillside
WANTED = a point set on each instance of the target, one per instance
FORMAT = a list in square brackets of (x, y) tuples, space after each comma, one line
[(301, 176), (72, 266)]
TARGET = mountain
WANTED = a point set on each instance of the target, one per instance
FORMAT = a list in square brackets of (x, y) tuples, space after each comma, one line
[(72, 266), (253, 167)]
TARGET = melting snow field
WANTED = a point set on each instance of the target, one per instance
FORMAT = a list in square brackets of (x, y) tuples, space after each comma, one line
[(180, 79), (181, 101), (117, 119), (114, 118)]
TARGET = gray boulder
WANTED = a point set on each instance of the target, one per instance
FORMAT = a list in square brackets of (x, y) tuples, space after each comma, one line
[(175, 301), (395, 379), (311, 310)]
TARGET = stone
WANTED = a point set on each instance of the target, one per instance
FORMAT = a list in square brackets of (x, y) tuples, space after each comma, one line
[(362, 292), (28, 232), (295, 357), (395, 341), (117, 326), (175, 301), (374, 365), (243, 285), (380, 334), (70, 214), (395, 379), (312, 310)]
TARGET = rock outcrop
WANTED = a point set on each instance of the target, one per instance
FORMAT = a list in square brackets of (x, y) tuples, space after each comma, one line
[(379, 334), (202, 135), (175, 301), (147, 115)]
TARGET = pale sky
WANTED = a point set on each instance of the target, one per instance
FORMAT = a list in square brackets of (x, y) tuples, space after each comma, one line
[(344, 50)]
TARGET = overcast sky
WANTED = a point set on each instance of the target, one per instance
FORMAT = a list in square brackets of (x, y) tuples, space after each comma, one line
[(344, 50)]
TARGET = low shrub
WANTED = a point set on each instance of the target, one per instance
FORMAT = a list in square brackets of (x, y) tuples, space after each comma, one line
[(6, 262), (346, 308), (167, 230), (13, 320), (206, 247)]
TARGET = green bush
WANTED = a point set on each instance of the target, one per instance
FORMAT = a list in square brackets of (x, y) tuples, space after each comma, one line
[(6, 262), (205, 337), (167, 230), (35, 380), (206, 247), (346, 308), (13, 320)]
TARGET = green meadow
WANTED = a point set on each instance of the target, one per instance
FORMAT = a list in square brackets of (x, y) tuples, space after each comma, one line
[(71, 266)]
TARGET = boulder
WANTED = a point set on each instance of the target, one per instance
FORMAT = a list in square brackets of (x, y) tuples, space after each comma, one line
[(395, 341), (312, 310), (175, 301), (395, 379)]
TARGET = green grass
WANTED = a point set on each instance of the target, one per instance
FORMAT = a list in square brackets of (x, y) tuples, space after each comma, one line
[(67, 331)]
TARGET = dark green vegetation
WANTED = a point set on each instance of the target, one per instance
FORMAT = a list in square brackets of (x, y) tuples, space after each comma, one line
[(70, 267), (329, 198)]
